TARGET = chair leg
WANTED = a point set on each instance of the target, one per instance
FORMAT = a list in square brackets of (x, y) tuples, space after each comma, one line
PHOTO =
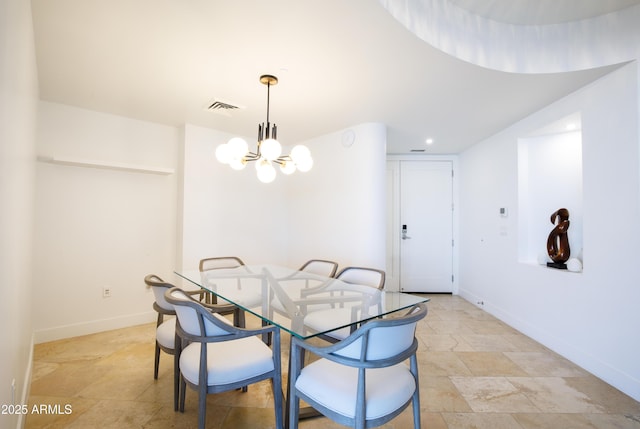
[(416, 395), (294, 410), (176, 382), (416, 410), (156, 362), (296, 361), (266, 338), (183, 391), (202, 406), (276, 387), (239, 317)]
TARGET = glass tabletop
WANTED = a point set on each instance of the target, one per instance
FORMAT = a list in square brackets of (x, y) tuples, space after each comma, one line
[(292, 299)]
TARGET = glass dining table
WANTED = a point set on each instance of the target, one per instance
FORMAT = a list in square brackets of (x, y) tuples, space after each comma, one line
[(285, 297)]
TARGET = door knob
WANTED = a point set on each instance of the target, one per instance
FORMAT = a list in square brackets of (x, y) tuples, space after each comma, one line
[(404, 233)]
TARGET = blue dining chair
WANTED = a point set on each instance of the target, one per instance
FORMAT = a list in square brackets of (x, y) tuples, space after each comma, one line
[(361, 381), (342, 313), (215, 356)]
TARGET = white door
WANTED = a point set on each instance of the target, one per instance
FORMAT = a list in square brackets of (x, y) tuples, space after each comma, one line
[(426, 226)]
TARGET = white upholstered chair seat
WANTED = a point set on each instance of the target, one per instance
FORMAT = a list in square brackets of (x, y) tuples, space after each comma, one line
[(323, 320), (228, 361), (166, 333), (387, 388)]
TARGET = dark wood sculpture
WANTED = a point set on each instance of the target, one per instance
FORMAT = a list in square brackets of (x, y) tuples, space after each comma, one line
[(558, 241)]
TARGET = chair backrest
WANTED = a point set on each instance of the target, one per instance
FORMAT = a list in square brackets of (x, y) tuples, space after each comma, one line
[(382, 339), (220, 262), (320, 267), (194, 318), (159, 287), (363, 276)]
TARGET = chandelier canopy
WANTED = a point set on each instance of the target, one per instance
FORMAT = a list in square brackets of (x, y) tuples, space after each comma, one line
[(269, 151)]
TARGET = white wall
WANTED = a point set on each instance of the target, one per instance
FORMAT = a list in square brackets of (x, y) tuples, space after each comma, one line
[(592, 317), (227, 212), (335, 211), (98, 228), (18, 114)]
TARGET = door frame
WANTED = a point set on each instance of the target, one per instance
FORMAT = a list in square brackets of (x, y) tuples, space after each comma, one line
[(392, 282)]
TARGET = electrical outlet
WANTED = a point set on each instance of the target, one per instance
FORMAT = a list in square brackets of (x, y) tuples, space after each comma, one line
[(106, 292)]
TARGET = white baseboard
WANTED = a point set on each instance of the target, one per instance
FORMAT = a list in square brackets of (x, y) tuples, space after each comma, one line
[(26, 387), (92, 327)]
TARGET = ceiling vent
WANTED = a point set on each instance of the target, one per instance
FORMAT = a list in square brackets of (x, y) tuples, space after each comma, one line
[(417, 150), (222, 107)]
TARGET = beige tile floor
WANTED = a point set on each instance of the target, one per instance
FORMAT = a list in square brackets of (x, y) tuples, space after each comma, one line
[(475, 372)]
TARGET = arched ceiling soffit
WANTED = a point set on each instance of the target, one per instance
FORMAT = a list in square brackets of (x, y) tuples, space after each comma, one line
[(603, 40)]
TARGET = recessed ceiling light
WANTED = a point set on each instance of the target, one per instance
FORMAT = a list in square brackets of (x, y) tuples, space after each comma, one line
[(429, 141)]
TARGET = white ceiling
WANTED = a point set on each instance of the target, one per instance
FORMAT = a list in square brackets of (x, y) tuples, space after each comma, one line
[(339, 63), (542, 12)]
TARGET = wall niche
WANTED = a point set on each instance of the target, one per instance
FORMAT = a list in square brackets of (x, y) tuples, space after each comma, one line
[(549, 178)]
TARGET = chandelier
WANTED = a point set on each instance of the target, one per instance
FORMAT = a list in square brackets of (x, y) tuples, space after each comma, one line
[(236, 152)]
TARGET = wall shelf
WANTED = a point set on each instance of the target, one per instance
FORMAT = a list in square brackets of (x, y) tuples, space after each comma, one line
[(105, 165)]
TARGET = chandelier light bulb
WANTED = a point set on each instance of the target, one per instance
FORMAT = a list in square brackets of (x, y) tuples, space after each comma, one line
[(287, 167), (270, 149), (223, 154), (305, 164), (238, 163), (238, 148), (299, 153), (266, 172), (301, 156)]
